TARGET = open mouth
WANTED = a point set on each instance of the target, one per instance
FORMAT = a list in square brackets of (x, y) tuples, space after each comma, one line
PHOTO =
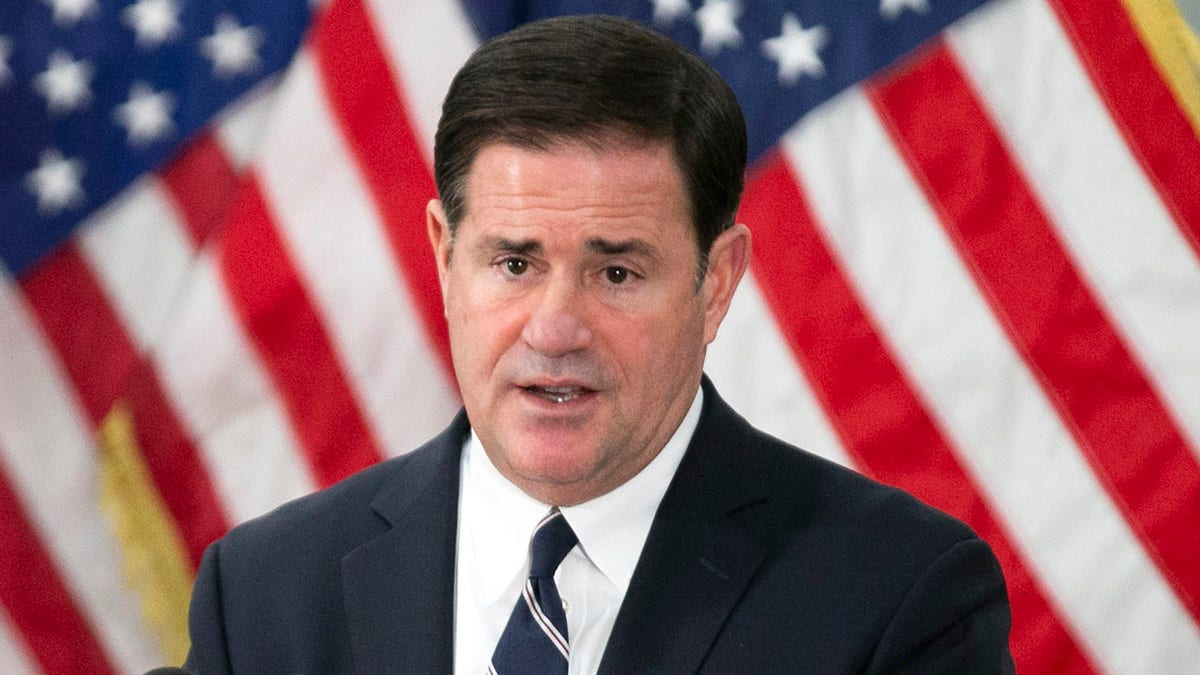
[(561, 394)]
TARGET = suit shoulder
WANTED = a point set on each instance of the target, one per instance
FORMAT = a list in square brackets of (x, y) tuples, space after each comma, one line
[(268, 592), (846, 561), (779, 491), (339, 512), (814, 492), (355, 507)]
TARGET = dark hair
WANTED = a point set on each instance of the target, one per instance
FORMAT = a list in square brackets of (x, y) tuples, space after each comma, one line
[(598, 80)]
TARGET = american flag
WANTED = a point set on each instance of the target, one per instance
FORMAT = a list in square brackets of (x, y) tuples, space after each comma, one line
[(976, 275)]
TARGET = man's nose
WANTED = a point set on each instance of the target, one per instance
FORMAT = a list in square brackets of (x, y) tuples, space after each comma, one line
[(557, 324)]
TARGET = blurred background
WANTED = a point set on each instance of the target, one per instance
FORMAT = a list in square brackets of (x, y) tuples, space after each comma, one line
[(976, 275)]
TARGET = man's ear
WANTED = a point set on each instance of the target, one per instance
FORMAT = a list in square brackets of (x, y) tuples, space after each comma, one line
[(440, 239), (727, 263)]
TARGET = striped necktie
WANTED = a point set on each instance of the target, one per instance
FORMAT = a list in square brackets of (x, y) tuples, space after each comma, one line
[(535, 639)]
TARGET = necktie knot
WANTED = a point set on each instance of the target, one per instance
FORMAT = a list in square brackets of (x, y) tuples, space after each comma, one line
[(551, 542)]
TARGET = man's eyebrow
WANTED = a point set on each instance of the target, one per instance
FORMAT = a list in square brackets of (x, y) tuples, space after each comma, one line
[(518, 246), (635, 246)]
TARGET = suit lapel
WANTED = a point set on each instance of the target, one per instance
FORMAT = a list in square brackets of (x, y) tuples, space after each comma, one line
[(697, 560), (399, 587)]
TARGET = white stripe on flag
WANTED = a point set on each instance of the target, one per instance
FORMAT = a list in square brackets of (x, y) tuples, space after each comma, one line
[(1125, 241), (46, 449), (242, 126), (216, 384), (140, 255), (755, 371), (336, 236), (958, 356), (426, 42)]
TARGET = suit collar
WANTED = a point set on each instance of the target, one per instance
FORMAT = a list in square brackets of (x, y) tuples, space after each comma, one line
[(698, 558), (399, 587)]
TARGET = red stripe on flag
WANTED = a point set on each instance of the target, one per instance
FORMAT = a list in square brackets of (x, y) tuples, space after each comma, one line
[(38, 601), (292, 343), (202, 183), (1158, 131), (101, 362), (363, 96), (75, 314), (1062, 332), (882, 420)]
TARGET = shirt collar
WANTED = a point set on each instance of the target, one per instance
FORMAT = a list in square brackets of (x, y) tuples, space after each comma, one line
[(502, 517)]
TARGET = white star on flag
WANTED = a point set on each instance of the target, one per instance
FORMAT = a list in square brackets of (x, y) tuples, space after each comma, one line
[(146, 116), (154, 21), (795, 49), (233, 48), (56, 182), (5, 52), (890, 9), (69, 12), (667, 11), (65, 83), (717, 21)]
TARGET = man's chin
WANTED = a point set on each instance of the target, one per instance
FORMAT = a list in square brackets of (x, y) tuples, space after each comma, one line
[(556, 462), (558, 466)]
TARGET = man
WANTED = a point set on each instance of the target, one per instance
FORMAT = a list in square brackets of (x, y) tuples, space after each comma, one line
[(589, 173)]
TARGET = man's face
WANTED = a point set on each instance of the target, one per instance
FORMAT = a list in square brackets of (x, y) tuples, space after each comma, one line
[(577, 329)]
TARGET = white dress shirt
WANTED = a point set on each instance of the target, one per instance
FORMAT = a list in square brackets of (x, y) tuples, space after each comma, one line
[(496, 520)]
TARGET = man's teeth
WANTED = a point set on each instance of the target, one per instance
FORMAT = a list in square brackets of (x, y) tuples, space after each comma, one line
[(557, 394)]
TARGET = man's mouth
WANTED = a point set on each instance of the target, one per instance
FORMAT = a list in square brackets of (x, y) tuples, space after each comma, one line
[(559, 394)]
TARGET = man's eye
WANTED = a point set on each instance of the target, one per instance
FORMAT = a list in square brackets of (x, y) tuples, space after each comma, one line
[(616, 275), (515, 266)]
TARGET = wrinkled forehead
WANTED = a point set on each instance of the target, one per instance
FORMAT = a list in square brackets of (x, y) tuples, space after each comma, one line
[(571, 169), (653, 160)]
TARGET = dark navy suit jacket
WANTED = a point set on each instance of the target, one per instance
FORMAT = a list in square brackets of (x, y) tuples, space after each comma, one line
[(761, 559)]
